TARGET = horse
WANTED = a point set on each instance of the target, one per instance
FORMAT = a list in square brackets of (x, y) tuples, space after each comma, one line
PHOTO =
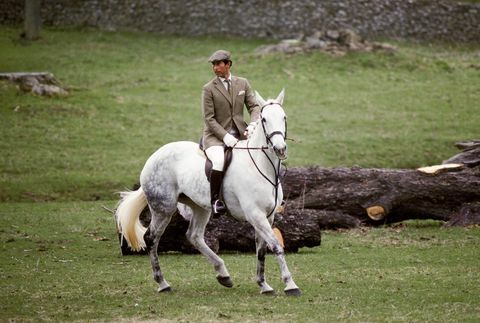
[(174, 175)]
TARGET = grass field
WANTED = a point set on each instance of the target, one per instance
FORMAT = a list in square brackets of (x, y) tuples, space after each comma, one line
[(133, 92), (61, 261)]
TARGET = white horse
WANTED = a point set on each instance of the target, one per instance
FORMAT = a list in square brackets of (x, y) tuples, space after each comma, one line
[(251, 190)]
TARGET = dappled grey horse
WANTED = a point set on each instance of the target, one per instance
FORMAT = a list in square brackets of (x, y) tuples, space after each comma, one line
[(251, 189)]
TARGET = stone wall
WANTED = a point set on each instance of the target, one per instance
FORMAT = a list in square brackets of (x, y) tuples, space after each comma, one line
[(419, 19)]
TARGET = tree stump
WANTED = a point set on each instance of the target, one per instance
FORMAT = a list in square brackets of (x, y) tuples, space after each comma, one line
[(41, 83)]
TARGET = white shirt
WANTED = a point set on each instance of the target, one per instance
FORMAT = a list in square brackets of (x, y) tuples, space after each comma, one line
[(225, 83)]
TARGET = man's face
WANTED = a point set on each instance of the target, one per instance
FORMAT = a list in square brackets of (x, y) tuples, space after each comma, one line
[(221, 69)]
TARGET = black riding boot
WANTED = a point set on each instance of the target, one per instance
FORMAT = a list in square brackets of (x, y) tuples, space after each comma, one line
[(218, 207)]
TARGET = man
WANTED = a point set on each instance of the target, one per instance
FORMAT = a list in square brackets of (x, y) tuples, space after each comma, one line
[(223, 101)]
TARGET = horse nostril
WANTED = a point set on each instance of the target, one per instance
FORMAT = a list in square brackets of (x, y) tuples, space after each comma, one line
[(281, 152)]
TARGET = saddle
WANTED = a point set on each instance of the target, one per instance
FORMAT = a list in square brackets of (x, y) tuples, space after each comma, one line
[(208, 163)]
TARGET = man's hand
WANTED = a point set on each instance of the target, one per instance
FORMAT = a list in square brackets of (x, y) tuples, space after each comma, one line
[(230, 140), (248, 132)]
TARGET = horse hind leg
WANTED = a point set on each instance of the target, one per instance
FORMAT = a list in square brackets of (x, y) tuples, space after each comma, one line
[(195, 234), (261, 247), (159, 222)]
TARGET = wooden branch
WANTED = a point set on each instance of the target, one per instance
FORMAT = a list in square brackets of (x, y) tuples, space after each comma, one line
[(470, 156)]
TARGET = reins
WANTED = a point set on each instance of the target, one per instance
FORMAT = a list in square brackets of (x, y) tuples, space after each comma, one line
[(276, 183), (271, 163)]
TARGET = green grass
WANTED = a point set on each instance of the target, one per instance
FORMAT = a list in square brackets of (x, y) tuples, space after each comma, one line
[(61, 261), (133, 92)]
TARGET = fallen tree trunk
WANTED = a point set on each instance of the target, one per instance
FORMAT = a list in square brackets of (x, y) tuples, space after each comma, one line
[(332, 198), (39, 83), (379, 196), (448, 192)]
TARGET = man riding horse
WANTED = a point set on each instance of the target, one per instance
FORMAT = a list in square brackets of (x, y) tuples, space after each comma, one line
[(223, 101), (174, 174)]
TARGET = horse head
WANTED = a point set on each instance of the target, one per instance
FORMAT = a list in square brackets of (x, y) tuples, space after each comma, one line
[(274, 123)]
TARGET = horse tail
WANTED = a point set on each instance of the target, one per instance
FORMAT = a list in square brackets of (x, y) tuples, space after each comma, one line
[(127, 214)]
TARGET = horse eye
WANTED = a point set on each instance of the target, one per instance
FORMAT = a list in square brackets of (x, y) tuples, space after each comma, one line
[(264, 120)]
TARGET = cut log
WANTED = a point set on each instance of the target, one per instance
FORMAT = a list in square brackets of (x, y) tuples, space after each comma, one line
[(379, 196)]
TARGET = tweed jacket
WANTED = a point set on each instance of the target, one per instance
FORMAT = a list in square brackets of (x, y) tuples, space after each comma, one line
[(221, 111)]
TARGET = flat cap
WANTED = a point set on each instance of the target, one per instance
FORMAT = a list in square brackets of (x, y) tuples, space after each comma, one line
[(220, 55)]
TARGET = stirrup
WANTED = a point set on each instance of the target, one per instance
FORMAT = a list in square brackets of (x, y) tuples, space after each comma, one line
[(218, 208)]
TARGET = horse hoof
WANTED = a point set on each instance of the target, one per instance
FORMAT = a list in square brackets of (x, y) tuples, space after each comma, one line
[(269, 293), (225, 281), (293, 292), (165, 290)]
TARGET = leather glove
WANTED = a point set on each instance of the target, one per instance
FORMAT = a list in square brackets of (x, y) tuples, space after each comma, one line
[(230, 140), (248, 132)]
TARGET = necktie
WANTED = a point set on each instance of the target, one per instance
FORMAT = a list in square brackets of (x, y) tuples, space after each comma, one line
[(228, 85)]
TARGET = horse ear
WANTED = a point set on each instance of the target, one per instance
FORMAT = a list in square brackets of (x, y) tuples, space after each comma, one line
[(280, 97), (261, 102)]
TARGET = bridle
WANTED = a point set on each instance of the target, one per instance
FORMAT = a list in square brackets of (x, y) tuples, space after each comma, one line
[(276, 182), (269, 136)]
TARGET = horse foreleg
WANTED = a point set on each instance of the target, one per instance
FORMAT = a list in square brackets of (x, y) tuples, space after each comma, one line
[(152, 238), (195, 234), (264, 229), (261, 252)]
